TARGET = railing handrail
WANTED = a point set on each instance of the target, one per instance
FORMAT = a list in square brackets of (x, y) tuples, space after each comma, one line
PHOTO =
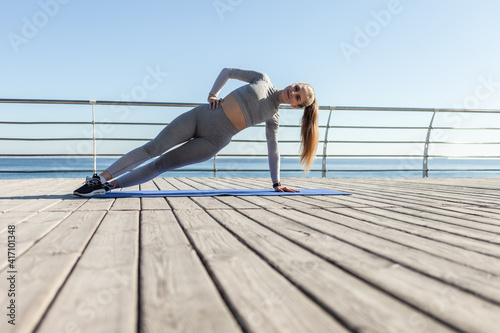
[(324, 169), (144, 103)]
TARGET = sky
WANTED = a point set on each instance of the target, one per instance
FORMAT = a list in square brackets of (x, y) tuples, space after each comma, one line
[(390, 53)]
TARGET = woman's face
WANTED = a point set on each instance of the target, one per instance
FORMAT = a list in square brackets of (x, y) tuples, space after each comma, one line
[(295, 94)]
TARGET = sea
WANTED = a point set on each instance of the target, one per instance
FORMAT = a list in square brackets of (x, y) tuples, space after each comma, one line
[(73, 167)]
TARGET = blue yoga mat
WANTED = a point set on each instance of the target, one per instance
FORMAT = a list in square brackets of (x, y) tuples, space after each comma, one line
[(209, 193)]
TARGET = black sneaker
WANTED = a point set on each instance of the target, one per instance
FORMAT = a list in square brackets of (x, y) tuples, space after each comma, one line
[(93, 186)]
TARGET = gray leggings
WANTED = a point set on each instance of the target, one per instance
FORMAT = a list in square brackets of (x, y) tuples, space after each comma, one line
[(203, 132)]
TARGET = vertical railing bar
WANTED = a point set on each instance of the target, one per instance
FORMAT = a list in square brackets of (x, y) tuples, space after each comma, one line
[(426, 147), (215, 166), (325, 144), (93, 102)]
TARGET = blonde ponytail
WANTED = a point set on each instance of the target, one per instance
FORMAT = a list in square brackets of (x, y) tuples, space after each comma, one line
[(309, 134)]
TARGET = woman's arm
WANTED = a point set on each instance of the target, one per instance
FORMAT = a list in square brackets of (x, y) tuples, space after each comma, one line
[(273, 154), (235, 73)]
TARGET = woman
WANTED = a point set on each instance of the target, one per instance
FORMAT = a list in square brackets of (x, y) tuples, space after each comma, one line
[(208, 128)]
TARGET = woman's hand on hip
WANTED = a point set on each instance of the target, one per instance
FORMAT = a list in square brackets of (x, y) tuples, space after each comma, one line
[(214, 103)]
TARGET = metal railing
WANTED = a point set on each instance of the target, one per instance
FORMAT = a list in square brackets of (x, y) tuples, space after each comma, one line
[(325, 142)]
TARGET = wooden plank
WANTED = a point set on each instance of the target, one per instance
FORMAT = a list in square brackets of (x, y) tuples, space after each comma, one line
[(163, 184), (376, 199), (405, 249), (205, 183), (265, 202), (444, 301), (45, 266), (13, 218), (14, 187), (177, 294), (41, 195), (199, 183), (455, 217), (452, 221), (430, 196), (427, 197), (316, 201), (8, 204), (175, 202), (39, 204), (277, 202), (178, 184), (252, 202), (484, 211), (98, 204), (383, 218), (205, 202), (361, 306), (440, 214), (246, 202), (101, 293), (67, 204), (263, 300), (480, 214), (233, 183), (234, 202), (455, 188), (30, 230), (152, 203), (127, 203), (27, 188), (366, 195), (283, 202), (468, 216), (228, 182), (7, 186)]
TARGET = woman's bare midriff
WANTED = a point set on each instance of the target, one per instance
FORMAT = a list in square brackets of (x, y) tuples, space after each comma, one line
[(233, 112)]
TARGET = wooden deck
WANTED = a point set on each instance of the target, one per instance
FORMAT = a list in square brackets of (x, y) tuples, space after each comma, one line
[(399, 255)]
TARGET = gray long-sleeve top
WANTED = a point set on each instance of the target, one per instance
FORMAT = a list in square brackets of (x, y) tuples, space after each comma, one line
[(259, 102)]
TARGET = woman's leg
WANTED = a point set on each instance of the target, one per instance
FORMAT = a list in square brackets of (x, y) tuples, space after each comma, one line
[(211, 132), (179, 130), (194, 151)]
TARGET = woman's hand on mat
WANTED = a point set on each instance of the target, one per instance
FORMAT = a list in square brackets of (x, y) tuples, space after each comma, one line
[(284, 189), (214, 103)]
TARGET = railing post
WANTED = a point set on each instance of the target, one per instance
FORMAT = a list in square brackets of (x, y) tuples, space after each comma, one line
[(325, 144), (215, 166), (93, 102), (426, 147)]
